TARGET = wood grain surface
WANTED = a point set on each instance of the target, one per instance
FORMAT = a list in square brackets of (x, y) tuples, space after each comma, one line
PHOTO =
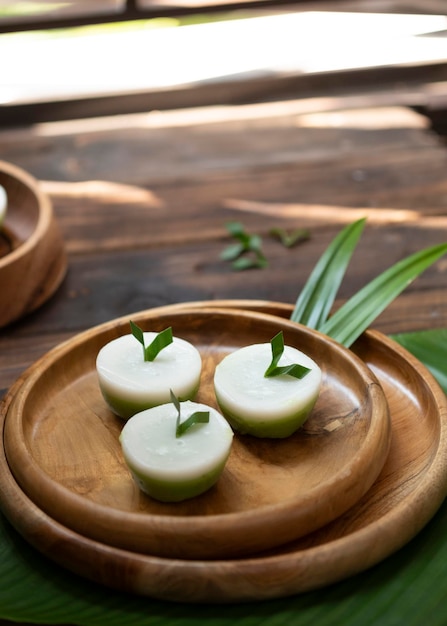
[(142, 202)]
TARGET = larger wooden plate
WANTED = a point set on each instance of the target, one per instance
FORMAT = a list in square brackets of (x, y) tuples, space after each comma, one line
[(407, 493), (62, 446)]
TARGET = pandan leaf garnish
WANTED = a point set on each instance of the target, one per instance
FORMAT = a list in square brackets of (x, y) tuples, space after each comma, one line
[(160, 341), (294, 369)]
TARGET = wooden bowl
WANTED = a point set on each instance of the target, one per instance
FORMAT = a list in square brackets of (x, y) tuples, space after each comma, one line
[(32, 257), (61, 441)]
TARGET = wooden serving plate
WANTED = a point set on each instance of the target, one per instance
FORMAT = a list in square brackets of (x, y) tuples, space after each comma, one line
[(32, 256), (62, 446), (407, 493)]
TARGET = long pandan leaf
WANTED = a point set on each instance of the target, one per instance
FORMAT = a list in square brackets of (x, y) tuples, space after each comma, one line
[(348, 323), (430, 347), (318, 294)]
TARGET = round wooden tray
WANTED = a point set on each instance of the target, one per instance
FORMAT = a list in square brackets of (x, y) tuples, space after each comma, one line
[(407, 493), (62, 446), (32, 256)]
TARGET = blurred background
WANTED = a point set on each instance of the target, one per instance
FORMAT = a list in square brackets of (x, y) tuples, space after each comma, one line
[(99, 57)]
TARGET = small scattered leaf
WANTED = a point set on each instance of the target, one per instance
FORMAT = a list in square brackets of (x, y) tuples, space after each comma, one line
[(290, 239), (247, 252), (232, 252), (236, 229), (249, 262), (294, 369)]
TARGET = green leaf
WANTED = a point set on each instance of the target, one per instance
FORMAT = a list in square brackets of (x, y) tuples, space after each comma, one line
[(161, 340), (249, 262), (429, 347), (138, 334), (294, 369), (176, 402), (318, 294), (199, 417), (247, 252), (236, 229), (348, 323), (232, 252), (289, 240)]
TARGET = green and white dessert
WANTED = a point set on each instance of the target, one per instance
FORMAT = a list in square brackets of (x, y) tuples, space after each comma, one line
[(176, 451), (267, 390), (133, 379), (3, 204)]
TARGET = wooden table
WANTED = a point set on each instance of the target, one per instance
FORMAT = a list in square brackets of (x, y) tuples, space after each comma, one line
[(143, 201)]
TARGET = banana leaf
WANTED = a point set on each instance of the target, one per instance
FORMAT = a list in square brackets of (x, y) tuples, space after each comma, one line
[(430, 347)]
